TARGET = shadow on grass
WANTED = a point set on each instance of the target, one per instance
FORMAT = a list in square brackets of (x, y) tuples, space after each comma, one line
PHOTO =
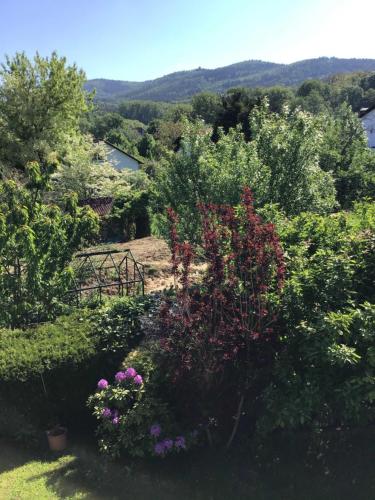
[(288, 467)]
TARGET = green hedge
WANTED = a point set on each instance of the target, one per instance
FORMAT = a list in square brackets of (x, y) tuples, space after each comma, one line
[(26, 354), (47, 372)]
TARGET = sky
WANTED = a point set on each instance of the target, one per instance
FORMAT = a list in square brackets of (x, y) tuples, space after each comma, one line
[(143, 39)]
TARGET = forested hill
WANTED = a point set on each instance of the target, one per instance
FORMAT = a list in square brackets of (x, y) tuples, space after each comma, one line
[(184, 84)]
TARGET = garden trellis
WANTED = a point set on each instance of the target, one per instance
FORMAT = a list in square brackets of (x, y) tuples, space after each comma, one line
[(113, 272)]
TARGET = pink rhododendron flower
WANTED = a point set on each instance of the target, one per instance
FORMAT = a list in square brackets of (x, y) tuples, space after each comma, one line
[(180, 442), (120, 376), (103, 383), (168, 444), (130, 373), (106, 412), (155, 430), (159, 449)]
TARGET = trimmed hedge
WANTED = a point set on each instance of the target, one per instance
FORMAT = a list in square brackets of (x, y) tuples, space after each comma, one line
[(26, 354), (47, 372)]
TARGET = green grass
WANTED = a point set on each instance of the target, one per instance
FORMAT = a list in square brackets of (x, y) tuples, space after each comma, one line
[(335, 466), (24, 478)]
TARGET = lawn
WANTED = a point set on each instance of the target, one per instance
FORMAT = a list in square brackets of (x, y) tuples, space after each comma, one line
[(337, 466)]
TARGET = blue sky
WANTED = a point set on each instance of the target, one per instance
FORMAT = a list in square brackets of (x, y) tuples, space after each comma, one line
[(144, 39)]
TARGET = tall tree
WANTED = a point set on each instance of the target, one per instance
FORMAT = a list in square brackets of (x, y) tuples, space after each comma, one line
[(41, 104)]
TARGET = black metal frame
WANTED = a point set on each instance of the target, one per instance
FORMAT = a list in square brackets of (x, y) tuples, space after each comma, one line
[(129, 273)]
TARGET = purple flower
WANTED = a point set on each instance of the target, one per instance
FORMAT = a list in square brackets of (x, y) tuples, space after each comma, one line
[(106, 412), (120, 376), (103, 383), (155, 430), (138, 380), (116, 418), (180, 442), (159, 448), (130, 373), (168, 444)]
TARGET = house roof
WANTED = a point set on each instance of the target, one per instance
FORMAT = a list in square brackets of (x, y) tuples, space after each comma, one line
[(365, 111), (123, 152), (102, 206)]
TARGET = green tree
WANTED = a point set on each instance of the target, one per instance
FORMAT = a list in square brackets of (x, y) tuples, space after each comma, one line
[(346, 154), (206, 105), (41, 104), (289, 144), (37, 242)]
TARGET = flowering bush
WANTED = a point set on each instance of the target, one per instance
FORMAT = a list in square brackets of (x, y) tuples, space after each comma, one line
[(168, 445), (133, 417)]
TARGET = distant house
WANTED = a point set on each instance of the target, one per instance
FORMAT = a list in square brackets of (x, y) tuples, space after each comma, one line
[(367, 116), (120, 159)]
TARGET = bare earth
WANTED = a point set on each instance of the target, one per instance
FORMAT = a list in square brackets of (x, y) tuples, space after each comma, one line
[(154, 254)]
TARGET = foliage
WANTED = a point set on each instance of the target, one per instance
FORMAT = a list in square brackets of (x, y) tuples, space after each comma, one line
[(117, 130), (219, 335), (129, 217), (144, 111), (330, 261), (324, 370), (206, 106), (281, 164), (289, 143), (37, 242), (325, 374), (26, 354), (47, 372), (346, 154), (128, 409), (202, 171), (118, 325), (41, 104)]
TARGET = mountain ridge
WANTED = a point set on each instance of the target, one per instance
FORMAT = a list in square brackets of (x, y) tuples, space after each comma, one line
[(182, 85)]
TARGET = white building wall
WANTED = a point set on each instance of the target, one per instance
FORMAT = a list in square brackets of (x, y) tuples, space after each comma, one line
[(368, 122), (120, 160)]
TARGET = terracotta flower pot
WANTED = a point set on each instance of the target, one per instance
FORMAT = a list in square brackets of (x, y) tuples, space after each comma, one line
[(57, 438)]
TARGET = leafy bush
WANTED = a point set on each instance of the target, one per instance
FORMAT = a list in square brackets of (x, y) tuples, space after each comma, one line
[(280, 164), (133, 415), (325, 373), (330, 261), (37, 243), (26, 354), (219, 335), (129, 217), (118, 326)]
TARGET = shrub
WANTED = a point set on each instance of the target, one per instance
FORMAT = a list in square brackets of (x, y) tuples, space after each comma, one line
[(46, 372), (129, 217), (325, 373), (280, 163), (219, 336), (133, 413), (118, 326), (37, 243), (330, 262)]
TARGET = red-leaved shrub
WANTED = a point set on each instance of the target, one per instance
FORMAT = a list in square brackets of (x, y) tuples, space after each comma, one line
[(219, 333)]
